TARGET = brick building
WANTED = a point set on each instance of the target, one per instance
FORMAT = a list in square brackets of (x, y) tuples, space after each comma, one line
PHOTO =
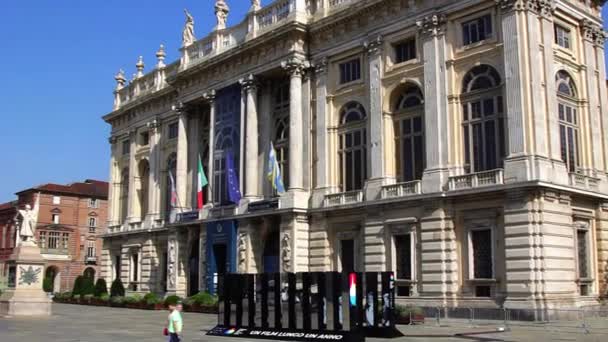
[(70, 219)]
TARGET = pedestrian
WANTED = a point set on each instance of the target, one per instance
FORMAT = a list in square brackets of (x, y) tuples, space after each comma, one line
[(175, 323)]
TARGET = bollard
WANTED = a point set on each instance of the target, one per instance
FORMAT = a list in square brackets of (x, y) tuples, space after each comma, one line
[(506, 319)]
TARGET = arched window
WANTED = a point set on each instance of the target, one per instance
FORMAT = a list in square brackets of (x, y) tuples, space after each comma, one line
[(280, 113), (171, 200), (568, 121), (352, 147), (124, 195), (408, 114), (483, 119)]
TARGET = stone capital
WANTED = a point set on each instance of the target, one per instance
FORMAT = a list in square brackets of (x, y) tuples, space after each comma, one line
[(593, 33), (321, 66), (374, 46), (249, 83), (209, 96), (543, 8), (180, 108), (154, 124), (432, 25), (296, 67)]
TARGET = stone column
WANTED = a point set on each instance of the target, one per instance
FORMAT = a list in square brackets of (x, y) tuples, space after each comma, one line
[(376, 161), (439, 252), (182, 160), (266, 123), (154, 191), (252, 185), (295, 68), (321, 155), (210, 98), (193, 153), (592, 81), (131, 206), (202, 259), (437, 134), (114, 186)]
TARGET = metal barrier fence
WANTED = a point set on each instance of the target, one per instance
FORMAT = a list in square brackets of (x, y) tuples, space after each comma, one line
[(573, 321), (304, 305)]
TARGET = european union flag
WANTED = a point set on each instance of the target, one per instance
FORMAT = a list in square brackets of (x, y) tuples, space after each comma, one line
[(274, 171), (232, 180)]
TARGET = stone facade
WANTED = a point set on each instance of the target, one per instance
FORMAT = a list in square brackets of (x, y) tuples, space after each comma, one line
[(460, 144)]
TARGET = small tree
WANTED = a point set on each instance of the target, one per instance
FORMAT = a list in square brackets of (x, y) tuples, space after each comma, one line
[(88, 288), (47, 285), (101, 287), (77, 290), (117, 289)]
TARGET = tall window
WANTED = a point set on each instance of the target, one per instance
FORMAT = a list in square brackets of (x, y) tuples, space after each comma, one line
[(584, 248), (142, 192), (124, 195), (481, 258), (562, 36), (281, 124), (92, 224), (404, 262), (483, 119), (477, 30), (169, 192), (93, 203), (352, 147), (350, 71), (54, 242), (91, 249), (568, 121), (409, 133), (55, 218), (173, 130), (126, 147)]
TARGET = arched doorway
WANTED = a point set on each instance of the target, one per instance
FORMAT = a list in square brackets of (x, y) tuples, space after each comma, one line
[(193, 264), (52, 273), (89, 272), (270, 258)]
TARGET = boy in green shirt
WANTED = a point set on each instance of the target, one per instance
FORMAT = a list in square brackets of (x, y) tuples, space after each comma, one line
[(176, 324)]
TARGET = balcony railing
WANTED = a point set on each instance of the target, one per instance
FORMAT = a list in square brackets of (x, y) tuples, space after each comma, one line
[(401, 189), (343, 198), (90, 259), (54, 251), (584, 182), (477, 180)]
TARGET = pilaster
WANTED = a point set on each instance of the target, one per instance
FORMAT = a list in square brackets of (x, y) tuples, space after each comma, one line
[(319, 248), (375, 253), (321, 157), (376, 161), (194, 123), (181, 175), (210, 98), (432, 33), (154, 187), (131, 206), (114, 184), (602, 249)]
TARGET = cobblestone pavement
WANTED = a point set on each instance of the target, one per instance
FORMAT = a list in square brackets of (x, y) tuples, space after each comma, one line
[(73, 323)]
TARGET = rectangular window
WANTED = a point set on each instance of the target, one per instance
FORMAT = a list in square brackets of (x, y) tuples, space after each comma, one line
[(562, 36), (350, 71), (135, 267), (92, 224), (90, 249), (56, 200), (403, 247), (93, 203), (405, 51), (126, 147), (173, 131), (145, 139), (117, 262), (481, 245), (347, 255), (55, 218), (477, 30), (582, 245), (54, 241)]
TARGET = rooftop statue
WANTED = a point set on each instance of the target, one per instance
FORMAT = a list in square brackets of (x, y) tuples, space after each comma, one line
[(188, 34), (221, 12)]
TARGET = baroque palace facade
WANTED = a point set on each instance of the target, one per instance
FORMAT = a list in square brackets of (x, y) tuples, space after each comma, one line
[(461, 144)]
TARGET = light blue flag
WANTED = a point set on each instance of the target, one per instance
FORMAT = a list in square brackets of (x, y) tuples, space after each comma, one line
[(274, 171)]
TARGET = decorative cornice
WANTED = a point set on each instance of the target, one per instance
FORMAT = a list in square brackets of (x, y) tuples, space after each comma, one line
[(544, 8), (374, 46), (432, 25)]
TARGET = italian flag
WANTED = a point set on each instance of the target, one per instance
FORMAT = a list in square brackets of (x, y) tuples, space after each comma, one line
[(202, 182)]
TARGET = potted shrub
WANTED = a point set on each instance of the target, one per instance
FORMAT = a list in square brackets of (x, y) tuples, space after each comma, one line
[(408, 314), (117, 301), (117, 289), (205, 303), (86, 299), (153, 302), (101, 287), (77, 290), (134, 301)]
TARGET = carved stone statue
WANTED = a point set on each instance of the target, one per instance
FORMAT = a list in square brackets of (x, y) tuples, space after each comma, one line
[(221, 13), (286, 252), (188, 37), (255, 5), (26, 223), (171, 255), (242, 250)]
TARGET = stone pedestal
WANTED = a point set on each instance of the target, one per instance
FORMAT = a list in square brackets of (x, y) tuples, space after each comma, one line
[(24, 296)]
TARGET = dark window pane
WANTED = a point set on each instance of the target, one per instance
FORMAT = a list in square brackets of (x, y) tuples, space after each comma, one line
[(488, 107), (357, 138), (407, 126), (403, 245), (407, 149), (417, 124), (349, 171), (490, 145), (477, 148), (571, 161), (482, 254), (347, 255), (418, 157), (583, 262), (467, 147), (563, 142), (358, 166), (475, 110), (465, 112)]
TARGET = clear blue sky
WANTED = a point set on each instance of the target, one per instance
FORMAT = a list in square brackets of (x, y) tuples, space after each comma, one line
[(58, 59)]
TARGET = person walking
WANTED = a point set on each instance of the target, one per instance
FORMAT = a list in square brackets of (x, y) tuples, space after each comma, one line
[(175, 324)]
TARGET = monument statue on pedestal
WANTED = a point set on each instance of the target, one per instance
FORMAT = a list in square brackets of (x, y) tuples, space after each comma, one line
[(24, 295), (188, 37), (221, 13)]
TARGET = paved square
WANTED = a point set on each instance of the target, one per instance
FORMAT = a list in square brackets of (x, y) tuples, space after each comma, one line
[(73, 323)]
